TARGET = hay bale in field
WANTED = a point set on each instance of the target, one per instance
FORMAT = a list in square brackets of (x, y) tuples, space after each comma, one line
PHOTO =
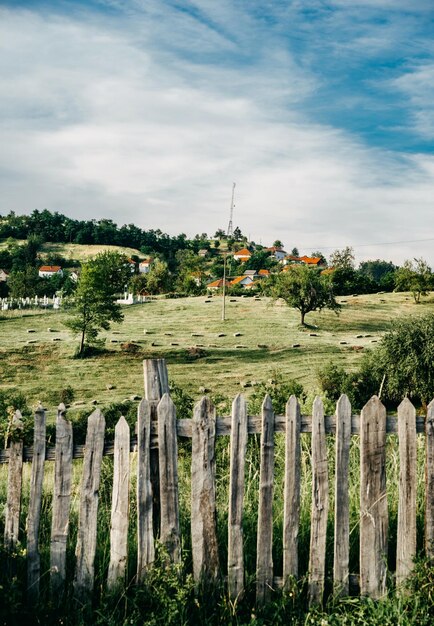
[(240, 347), (195, 353), (237, 334), (296, 345), (31, 330), (31, 341), (197, 334), (262, 345), (204, 390), (221, 335), (173, 343), (313, 335), (130, 347), (135, 397), (109, 387), (206, 301), (343, 343), (53, 330), (168, 334), (56, 339), (212, 345)]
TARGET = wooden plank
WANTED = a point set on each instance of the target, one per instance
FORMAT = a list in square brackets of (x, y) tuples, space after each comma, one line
[(145, 537), (342, 505), (291, 497), (236, 494), (120, 505), (61, 505), (264, 552), (429, 483), (156, 384), (15, 480), (170, 534), (320, 506), (34, 514), (203, 501), (88, 512), (373, 500), (406, 540)]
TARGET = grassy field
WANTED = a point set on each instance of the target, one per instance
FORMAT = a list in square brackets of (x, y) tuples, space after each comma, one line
[(39, 363), (76, 251)]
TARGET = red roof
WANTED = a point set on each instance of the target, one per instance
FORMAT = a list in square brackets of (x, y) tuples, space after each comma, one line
[(264, 272), (310, 260), (243, 252), (238, 279), (50, 268), (217, 283)]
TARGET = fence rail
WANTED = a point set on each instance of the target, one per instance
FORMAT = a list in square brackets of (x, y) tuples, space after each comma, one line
[(155, 442)]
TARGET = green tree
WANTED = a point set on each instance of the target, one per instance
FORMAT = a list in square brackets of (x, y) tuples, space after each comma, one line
[(277, 244), (305, 289), (415, 277), (342, 259), (94, 301), (159, 277), (24, 283)]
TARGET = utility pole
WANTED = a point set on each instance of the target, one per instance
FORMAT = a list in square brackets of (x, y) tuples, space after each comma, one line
[(224, 287)]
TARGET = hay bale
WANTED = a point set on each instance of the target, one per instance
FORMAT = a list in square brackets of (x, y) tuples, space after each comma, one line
[(313, 335), (135, 397), (95, 402), (221, 335), (212, 345), (296, 345), (240, 347), (109, 386), (262, 345), (168, 334), (343, 343), (56, 339), (173, 343), (196, 334), (359, 336), (31, 330), (114, 341), (245, 384), (204, 390), (207, 301), (195, 353), (237, 335), (31, 341)]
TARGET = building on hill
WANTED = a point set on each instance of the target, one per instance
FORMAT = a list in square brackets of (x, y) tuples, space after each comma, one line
[(264, 273), (47, 271), (290, 259), (277, 253), (203, 253), (242, 255), (4, 275), (218, 284), (145, 266), (242, 281), (314, 261)]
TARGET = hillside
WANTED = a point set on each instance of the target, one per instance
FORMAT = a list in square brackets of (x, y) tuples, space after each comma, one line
[(76, 251)]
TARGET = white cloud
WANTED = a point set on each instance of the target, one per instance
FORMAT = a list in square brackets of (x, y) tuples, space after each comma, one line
[(100, 121)]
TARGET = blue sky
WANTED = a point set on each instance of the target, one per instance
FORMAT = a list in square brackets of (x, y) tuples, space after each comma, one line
[(146, 111)]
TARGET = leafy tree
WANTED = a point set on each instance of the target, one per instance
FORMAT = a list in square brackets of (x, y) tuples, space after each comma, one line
[(24, 283), (343, 259), (376, 270), (219, 234), (415, 277), (295, 252), (95, 297), (191, 272), (138, 284), (278, 244), (317, 254), (305, 289), (159, 277), (237, 234)]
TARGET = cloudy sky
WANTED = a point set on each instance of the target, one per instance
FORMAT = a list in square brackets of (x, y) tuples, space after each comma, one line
[(147, 111)]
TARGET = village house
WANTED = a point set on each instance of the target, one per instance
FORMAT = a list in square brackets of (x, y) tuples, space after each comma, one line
[(277, 253), (47, 271), (203, 253), (145, 266), (242, 255), (4, 275), (242, 281), (218, 284)]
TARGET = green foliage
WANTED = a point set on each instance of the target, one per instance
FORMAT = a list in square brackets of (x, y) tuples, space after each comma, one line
[(158, 278), (415, 277), (343, 259), (11, 401), (305, 289), (279, 388), (377, 270)]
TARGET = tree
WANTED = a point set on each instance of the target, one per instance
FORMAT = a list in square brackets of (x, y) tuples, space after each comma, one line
[(376, 270), (219, 234), (159, 278), (305, 289), (277, 244), (295, 252), (237, 234), (415, 277), (95, 297), (342, 259)]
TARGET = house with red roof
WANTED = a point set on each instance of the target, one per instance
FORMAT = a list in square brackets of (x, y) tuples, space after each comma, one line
[(218, 284), (277, 253), (242, 255), (242, 281), (47, 271)]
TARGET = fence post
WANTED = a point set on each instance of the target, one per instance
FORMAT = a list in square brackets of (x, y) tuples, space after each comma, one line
[(61, 502), (373, 500), (236, 495), (88, 514), (264, 552), (291, 503), (34, 516), (429, 482), (145, 536), (120, 505), (170, 535), (15, 480), (156, 385), (203, 504), (320, 505), (342, 511)]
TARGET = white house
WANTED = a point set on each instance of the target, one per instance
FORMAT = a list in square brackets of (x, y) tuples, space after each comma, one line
[(47, 271), (242, 281), (145, 266), (242, 255), (4, 275), (277, 253)]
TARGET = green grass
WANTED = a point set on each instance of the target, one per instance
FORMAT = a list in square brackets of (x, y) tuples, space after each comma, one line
[(41, 370), (75, 251)]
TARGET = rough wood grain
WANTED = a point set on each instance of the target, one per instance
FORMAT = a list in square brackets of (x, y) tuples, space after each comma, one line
[(88, 512), (429, 482), (342, 511), (264, 552), (236, 494), (120, 505), (406, 540), (170, 535), (291, 497), (320, 506), (203, 502), (156, 384), (34, 514), (373, 500), (15, 479), (145, 537), (61, 505)]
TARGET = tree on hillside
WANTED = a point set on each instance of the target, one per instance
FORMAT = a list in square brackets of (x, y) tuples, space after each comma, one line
[(95, 297), (159, 279), (415, 277), (305, 289), (343, 259), (295, 252), (377, 270), (277, 244)]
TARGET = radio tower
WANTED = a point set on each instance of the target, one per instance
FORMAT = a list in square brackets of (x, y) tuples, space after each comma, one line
[(230, 225)]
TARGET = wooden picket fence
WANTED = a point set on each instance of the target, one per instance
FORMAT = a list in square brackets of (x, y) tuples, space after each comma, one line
[(155, 443)]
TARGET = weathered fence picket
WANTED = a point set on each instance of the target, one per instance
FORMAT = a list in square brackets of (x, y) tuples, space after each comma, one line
[(342, 500), (236, 496), (120, 505), (15, 479), (406, 540), (158, 429), (264, 555), (35, 503), (61, 505), (291, 496), (145, 537), (170, 535), (373, 500), (203, 501), (320, 505), (88, 514)]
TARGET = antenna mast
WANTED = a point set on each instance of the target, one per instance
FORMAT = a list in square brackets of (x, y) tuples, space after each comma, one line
[(230, 225)]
